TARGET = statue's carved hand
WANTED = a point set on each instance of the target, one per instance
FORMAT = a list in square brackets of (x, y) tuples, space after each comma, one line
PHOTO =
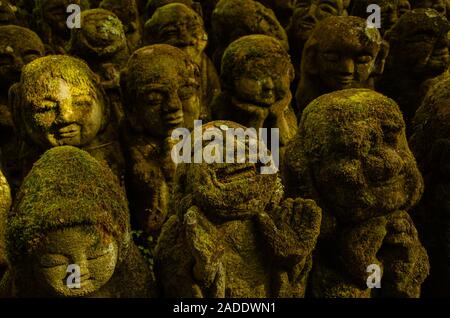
[(292, 231), (204, 245)]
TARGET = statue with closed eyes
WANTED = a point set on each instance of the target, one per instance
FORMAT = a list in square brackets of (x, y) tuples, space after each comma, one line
[(351, 156), (160, 88), (69, 235), (59, 101), (341, 53), (178, 25)]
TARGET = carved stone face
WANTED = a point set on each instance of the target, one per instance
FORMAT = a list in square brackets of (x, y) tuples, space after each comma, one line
[(229, 190), (345, 52), (356, 147), (309, 12), (419, 44), (7, 14), (102, 34), (60, 102), (438, 5), (94, 252), (18, 46), (163, 83), (263, 84), (257, 69), (180, 26)]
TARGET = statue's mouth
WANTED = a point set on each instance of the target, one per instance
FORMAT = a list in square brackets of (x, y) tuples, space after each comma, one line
[(174, 119), (344, 80), (70, 131), (235, 172)]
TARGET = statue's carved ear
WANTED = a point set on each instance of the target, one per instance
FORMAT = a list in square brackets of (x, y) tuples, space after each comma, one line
[(380, 61), (15, 108)]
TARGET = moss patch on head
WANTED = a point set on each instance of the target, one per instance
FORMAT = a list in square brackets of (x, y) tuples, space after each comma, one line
[(66, 187)]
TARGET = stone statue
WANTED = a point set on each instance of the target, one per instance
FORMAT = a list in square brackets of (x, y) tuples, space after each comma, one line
[(256, 77), (18, 46), (102, 43), (418, 53), (231, 234), (178, 25), (232, 19), (430, 144), (306, 15), (59, 101), (127, 11), (160, 93), (341, 53), (351, 156), (71, 211)]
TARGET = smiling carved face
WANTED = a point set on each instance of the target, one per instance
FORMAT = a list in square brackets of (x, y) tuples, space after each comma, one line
[(63, 109), (94, 253), (364, 166), (345, 52), (165, 87), (230, 190)]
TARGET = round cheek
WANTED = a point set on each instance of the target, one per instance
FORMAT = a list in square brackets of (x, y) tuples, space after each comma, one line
[(91, 120), (102, 269), (363, 71), (191, 110), (55, 278), (248, 88)]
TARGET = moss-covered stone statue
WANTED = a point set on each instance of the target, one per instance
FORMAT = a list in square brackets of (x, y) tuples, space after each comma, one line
[(231, 234), (127, 11), (18, 46), (102, 43), (306, 15), (341, 53), (5, 203), (438, 5), (71, 210), (351, 156), (256, 76), (418, 53), (59, 101), (232, 19), (430, 143), (50, 18), (160, 93), (178, 25)]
